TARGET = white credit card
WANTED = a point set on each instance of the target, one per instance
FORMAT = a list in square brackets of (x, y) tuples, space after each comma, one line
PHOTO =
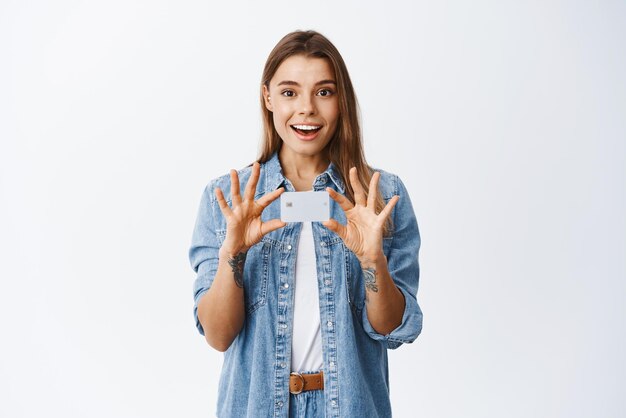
[(304, 206)]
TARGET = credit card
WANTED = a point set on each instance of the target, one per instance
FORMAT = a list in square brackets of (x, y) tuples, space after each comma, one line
[(304, 206)]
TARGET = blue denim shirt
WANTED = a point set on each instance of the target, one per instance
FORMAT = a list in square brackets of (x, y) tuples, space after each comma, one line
[(255, 373)]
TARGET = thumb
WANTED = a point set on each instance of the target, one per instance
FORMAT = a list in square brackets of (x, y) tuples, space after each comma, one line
[(269, 226), (336, 227)]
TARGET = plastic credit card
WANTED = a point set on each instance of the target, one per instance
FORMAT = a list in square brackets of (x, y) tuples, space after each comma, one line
[(304, 206)]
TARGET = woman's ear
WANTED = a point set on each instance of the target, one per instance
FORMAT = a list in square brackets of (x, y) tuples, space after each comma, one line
[(267, 99)]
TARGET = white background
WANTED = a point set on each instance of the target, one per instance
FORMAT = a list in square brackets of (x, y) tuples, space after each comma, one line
[(506, 121)]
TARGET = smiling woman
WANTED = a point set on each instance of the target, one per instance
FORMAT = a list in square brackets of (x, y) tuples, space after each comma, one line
[(306, 311), (304, 106)]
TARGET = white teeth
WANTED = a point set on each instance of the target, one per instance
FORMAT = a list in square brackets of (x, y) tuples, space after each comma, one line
[(306, 127)]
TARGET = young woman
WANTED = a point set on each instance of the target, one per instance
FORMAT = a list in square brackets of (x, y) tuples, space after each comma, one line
[(305, 312)]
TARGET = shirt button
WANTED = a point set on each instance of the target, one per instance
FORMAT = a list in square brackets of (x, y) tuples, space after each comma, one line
[(334, 402), (280, 403), (329, 323), (286, 285), (327, 282), (332, 364), (289, 247), (283, 365), (323, 244), (283, 325)]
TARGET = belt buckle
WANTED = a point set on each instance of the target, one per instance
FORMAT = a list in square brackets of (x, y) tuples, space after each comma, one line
[(301, 378)]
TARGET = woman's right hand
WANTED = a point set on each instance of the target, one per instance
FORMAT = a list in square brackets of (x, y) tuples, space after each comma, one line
[(244, 226)]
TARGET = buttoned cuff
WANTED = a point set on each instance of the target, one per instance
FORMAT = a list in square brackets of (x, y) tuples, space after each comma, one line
[(406, 332)]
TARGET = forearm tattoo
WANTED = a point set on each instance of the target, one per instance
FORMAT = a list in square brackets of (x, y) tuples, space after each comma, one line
[(369, 275), (236, 264)]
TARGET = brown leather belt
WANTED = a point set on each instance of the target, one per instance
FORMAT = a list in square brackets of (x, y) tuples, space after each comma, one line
[(299, 383)]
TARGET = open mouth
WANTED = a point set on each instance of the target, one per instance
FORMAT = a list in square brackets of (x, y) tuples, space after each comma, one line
[(306, 130)]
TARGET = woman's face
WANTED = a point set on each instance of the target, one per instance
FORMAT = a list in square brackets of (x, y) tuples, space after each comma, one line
[(303, 100)]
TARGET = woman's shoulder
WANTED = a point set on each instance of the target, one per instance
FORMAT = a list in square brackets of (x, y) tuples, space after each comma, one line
[(223, 183), (389, 184)]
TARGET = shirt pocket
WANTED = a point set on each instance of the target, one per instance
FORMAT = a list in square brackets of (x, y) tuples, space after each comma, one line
[(255, 273)]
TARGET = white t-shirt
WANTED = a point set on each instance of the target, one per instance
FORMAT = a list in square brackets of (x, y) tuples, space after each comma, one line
[(306, 348)]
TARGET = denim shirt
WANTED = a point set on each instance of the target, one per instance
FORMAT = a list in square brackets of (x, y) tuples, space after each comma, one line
[(255, 374)]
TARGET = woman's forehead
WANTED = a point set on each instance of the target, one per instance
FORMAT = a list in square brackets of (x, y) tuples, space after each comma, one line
[(303, 70)]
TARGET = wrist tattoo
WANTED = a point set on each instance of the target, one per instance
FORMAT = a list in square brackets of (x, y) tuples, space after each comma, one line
[(236, 264), (369, 275)]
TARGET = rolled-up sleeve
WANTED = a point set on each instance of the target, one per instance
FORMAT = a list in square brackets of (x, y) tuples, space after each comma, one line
[(204, 250), (402, 262)]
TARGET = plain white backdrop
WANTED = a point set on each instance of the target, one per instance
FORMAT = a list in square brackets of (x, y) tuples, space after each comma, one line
[(505, 119)]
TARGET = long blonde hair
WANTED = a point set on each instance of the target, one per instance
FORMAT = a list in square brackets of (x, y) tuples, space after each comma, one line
[(345, 149)]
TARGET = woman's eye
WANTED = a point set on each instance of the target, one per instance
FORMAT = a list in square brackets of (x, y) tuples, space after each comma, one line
[(288, 93), (325, 92)]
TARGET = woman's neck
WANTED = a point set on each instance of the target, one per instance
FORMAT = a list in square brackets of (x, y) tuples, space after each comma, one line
[(301, 170)]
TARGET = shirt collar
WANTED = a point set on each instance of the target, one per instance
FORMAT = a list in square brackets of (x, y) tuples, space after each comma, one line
[(274, 175)]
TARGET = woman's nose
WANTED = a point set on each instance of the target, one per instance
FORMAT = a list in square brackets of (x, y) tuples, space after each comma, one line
[(307, 105)]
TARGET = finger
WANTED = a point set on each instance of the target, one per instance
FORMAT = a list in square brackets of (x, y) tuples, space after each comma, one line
[(384, 214), (272, 225), (336, 227), (359, 193), (343, 201), (219, 195), (234, 187), (252, 182), (373, 191), (270, 197)]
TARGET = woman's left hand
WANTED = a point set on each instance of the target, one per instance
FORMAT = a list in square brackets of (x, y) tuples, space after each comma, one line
[(363, 232)]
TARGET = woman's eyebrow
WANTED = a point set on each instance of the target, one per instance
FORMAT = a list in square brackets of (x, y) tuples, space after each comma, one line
[(294, 83)]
